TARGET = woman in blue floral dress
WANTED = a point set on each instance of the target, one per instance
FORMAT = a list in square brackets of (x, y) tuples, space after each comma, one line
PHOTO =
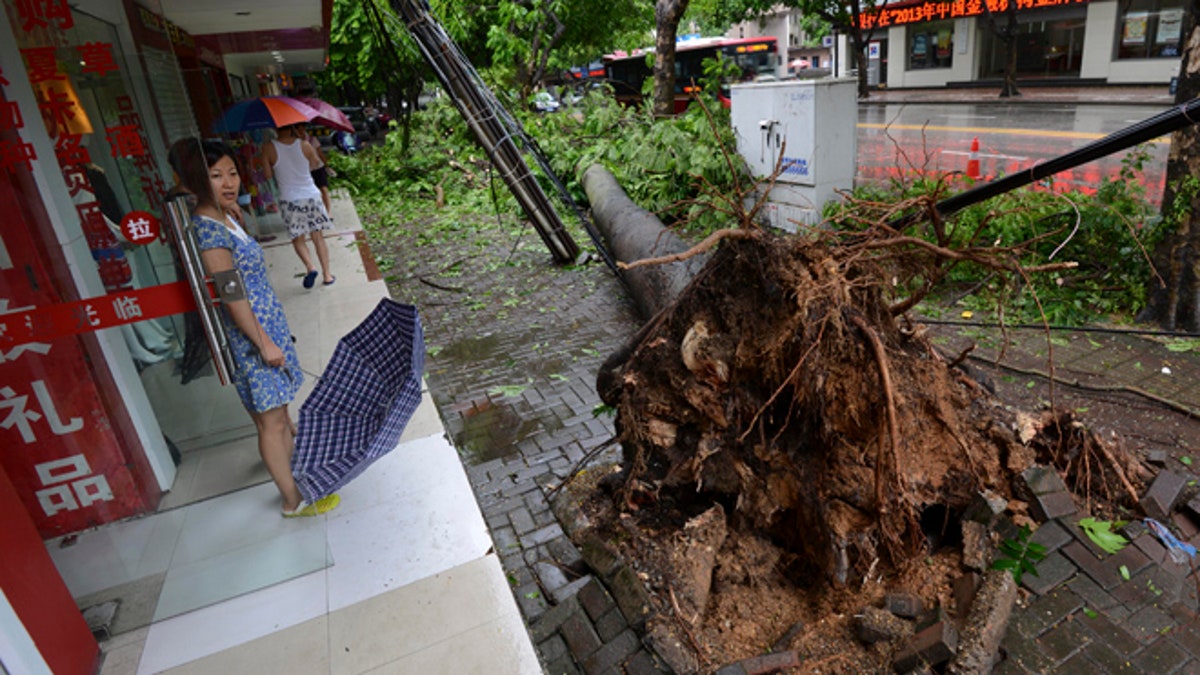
[(267, 374)]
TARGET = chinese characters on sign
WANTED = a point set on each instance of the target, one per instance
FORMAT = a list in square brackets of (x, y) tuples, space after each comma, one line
[(932, 10), (42, 324), (69, 452), (140, 227)]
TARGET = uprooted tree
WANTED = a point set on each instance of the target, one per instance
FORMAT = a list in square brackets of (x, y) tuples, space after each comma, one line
[(788, 384)]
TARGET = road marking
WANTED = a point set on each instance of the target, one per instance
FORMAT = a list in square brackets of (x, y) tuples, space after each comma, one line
[(983, 155), (1084, 135)]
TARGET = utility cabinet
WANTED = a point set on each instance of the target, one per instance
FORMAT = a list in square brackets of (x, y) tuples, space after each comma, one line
[(805, 129)]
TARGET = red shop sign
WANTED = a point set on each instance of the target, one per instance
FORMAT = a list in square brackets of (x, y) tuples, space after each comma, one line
[(140, 227), (42, 324)]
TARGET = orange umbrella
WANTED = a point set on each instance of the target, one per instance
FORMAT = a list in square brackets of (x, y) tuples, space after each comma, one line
[(264, 112)]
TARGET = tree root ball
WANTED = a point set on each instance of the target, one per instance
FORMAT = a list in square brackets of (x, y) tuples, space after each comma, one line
[(780, 385)]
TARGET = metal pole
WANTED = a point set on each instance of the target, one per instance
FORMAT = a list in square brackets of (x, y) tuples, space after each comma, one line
[(482, 114), (179, 220), (1161, 124)]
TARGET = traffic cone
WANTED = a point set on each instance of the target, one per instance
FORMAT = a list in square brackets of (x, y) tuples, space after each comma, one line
[(973, 160)]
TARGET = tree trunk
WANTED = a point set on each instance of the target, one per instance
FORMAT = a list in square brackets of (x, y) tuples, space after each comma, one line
[(1010, 66), (634, 233), (667, 14), (1173, 302), (860, 64)]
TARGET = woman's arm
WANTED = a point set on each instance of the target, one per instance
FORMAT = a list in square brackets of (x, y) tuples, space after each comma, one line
[(221, 260)]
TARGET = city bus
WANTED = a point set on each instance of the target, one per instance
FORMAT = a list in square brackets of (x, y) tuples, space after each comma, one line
[(626, 72)]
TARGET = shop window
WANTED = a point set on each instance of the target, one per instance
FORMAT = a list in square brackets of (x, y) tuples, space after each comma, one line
[(1049, 44), (1150, 29), (931, 45)]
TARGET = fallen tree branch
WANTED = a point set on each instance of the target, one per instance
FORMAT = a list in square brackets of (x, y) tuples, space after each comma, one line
[(452, 289), (709, 242)]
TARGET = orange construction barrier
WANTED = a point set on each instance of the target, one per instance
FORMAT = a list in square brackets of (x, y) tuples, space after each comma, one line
[(973, 160)]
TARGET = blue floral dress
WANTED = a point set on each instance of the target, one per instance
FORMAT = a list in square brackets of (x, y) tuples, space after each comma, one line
[(261, 387)]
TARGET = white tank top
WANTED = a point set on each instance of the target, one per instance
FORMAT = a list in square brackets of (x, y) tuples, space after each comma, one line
[(291, 172)]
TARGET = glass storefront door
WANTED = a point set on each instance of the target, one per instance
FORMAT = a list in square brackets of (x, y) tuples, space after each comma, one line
[(1049, 44)]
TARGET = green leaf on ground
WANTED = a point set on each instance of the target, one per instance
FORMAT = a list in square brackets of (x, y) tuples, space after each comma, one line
[(1187, 461), (1100, 532), (508, 390), (1124, 572), (1190, 345)]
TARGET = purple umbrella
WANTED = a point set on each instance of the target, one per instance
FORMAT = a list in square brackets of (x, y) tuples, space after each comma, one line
[(362, 402), (327, 114)]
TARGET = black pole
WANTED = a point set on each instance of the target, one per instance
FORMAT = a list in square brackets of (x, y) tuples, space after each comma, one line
[(1161, 124)]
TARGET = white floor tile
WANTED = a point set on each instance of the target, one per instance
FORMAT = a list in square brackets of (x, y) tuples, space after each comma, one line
[(297, 651), (414, 511), (214, 629), (406, 621), (499, 646)]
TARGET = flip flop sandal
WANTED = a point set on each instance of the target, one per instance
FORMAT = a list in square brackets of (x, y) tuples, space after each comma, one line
[(310, 279), (306, 510)]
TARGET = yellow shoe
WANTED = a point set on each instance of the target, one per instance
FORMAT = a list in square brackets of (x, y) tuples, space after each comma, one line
[(322, 505)]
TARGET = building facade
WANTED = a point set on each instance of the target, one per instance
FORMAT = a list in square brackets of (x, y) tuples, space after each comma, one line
[(94, 398), (934, 43)]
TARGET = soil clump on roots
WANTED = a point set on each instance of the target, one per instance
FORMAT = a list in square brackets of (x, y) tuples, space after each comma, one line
[(794, 449)]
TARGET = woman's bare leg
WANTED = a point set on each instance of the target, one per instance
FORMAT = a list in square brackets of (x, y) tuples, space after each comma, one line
[(318, 240), (275, 446), (301, 247)]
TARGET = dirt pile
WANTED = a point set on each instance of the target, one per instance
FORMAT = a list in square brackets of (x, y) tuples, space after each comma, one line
[(792, 453)]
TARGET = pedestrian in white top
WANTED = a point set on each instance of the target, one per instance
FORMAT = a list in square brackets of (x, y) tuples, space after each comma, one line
[(290, 161)]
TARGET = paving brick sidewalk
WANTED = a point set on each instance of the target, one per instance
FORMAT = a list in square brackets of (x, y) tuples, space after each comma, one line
[(1087, 611)]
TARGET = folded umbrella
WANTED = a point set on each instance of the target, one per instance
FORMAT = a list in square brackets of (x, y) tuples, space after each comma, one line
[(264, 112), (359, 408), (327, 114)]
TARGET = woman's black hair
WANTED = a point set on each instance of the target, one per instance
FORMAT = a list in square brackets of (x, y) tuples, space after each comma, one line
[(191, 159)]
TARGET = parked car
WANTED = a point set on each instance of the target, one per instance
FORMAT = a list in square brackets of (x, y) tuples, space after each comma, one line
[(358, 118), (544, 102)]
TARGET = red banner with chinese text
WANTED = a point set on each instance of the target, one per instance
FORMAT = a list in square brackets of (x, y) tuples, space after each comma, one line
[(899, 14), (58, 444)]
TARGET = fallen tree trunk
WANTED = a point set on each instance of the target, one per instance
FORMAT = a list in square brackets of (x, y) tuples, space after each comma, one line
[(633, 233)]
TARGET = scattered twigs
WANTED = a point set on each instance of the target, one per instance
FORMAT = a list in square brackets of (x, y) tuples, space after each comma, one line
[(686, 625), (1129, 489), (452, 289), (578, 468), (962, 356)]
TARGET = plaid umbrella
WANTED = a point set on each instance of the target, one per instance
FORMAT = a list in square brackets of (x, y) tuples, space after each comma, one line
[(362, 402)]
